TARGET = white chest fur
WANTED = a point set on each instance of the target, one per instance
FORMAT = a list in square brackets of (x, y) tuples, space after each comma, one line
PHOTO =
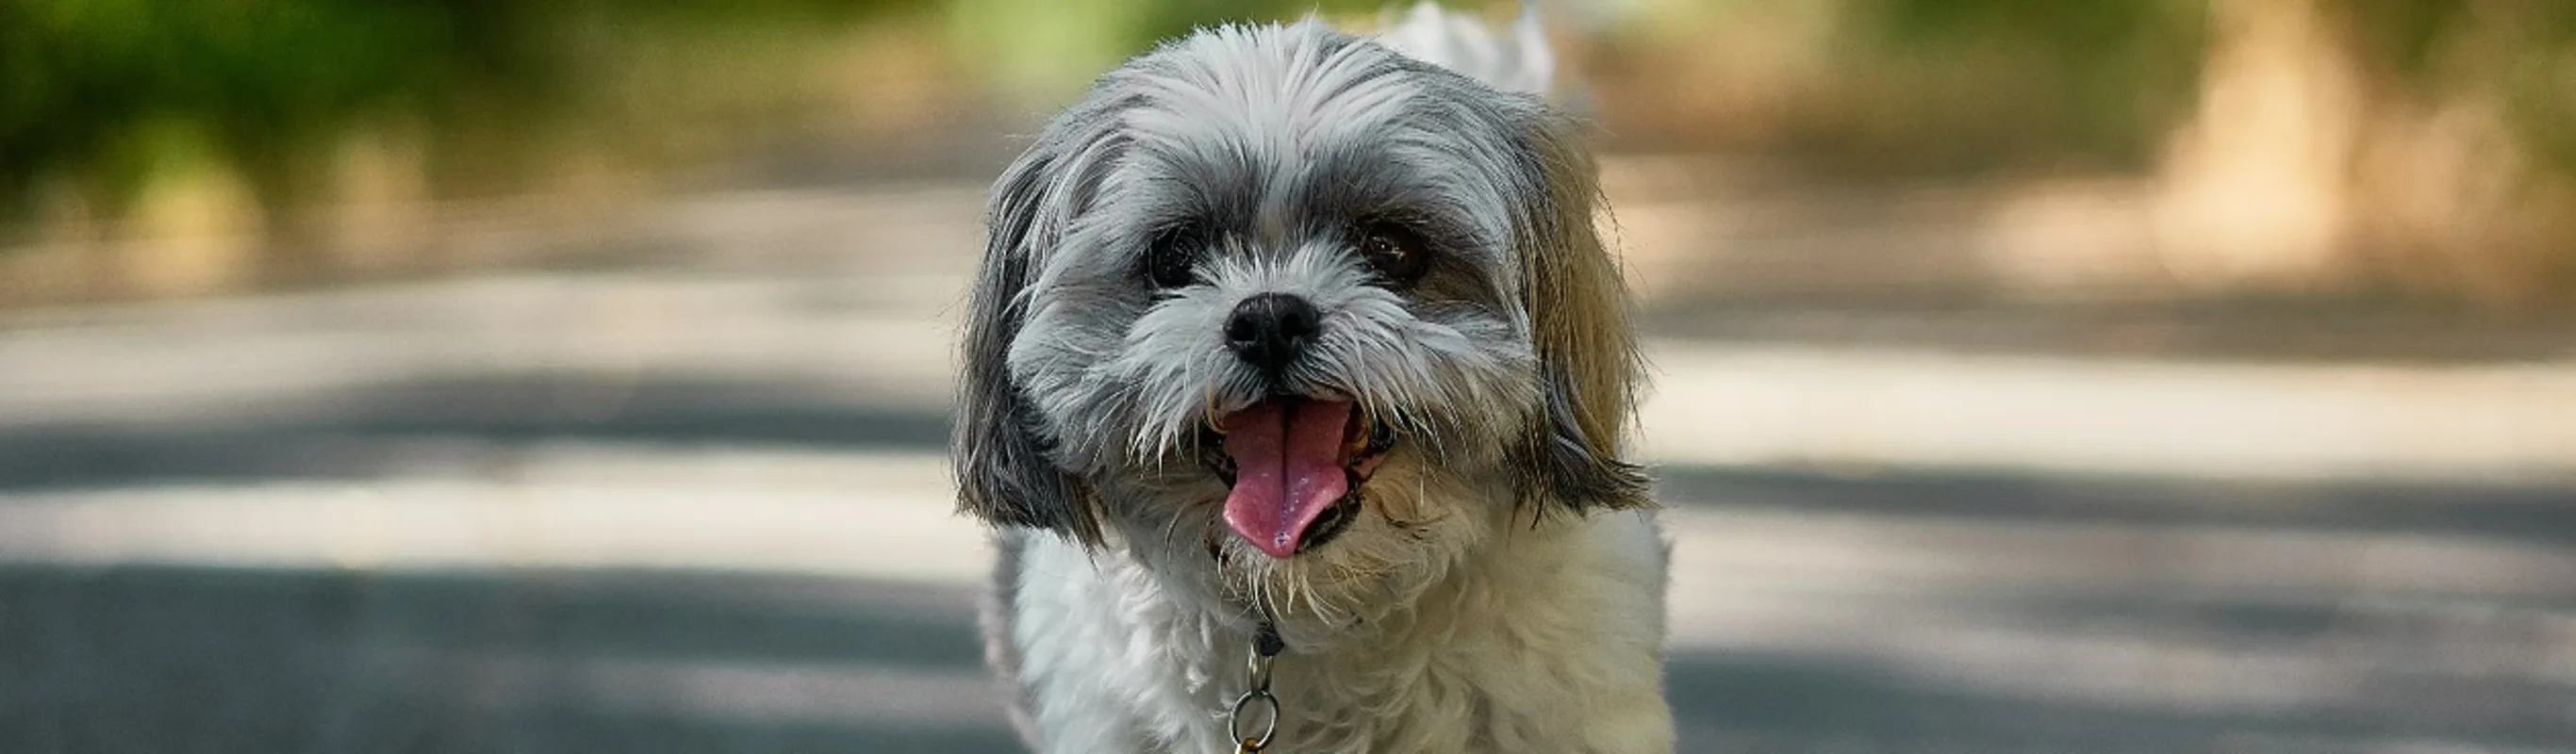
[(1548, 641)]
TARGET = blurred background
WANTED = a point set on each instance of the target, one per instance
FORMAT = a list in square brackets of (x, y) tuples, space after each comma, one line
[(475, 375)]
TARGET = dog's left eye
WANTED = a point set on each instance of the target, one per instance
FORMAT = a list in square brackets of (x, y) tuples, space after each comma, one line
[(1172, 260), (1395, 251)]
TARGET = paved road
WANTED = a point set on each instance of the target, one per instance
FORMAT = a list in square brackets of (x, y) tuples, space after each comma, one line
[(696, 505)]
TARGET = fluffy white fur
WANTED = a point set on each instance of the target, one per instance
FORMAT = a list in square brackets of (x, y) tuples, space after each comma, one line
[(1549, 642), (1500, 587)]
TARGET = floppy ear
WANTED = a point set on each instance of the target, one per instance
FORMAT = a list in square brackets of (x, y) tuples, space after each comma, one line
[(1579, 327), (1004, 473)]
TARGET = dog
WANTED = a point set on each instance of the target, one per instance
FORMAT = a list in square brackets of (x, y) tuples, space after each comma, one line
[(1294, 381)]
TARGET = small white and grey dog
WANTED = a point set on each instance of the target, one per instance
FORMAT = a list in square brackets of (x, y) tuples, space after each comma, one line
[(1285, 333)]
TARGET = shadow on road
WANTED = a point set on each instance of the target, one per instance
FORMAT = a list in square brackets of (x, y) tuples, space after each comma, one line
[(148, 659), (1770, 704), (196, 659), (373, 431), (2531, 514), (173, 659)]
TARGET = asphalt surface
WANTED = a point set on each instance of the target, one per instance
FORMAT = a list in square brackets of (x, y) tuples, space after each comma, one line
[(697, 504)]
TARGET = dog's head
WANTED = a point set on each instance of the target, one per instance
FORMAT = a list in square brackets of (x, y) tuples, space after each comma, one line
[(1287, 301)]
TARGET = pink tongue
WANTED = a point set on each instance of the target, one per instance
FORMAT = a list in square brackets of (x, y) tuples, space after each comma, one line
[(1287, 469)]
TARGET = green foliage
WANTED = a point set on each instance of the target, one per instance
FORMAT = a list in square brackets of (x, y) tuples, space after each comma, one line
[(89, 86), (2036, 81), (98, 91), (1049, 49), (2525, 51), (2017, 81), (104, 92)]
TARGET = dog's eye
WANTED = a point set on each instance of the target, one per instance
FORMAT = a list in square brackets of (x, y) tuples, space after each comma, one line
[(1172, 260), (1395, 251)]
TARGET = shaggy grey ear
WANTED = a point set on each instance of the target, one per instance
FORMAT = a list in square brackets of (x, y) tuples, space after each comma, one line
[(1004, 473), (1579, 327)]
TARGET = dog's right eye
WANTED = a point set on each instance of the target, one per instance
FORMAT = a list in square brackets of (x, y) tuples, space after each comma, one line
[(1395, 250), (1172, 260)]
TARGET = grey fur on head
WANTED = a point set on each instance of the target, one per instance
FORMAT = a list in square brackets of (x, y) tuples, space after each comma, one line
[(1243, 161)]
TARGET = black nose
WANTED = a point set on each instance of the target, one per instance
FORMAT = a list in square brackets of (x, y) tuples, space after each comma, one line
[(1268, 331)]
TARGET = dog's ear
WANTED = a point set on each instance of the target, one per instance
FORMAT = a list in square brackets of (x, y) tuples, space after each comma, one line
[(1579, 327), (1005, 475)]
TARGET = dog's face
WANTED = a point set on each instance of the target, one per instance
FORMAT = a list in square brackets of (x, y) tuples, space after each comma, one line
[(1283, 308)]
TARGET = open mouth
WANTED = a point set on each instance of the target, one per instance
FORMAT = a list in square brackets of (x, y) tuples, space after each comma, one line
[(1294, 466)]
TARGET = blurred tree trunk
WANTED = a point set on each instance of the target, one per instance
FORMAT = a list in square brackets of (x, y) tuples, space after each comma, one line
[(2256, 189), (2316, 161)]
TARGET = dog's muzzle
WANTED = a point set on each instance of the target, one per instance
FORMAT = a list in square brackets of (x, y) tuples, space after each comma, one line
[(1292, 463)]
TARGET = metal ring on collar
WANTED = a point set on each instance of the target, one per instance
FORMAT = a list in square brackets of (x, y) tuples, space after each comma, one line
[(1269, 720)]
